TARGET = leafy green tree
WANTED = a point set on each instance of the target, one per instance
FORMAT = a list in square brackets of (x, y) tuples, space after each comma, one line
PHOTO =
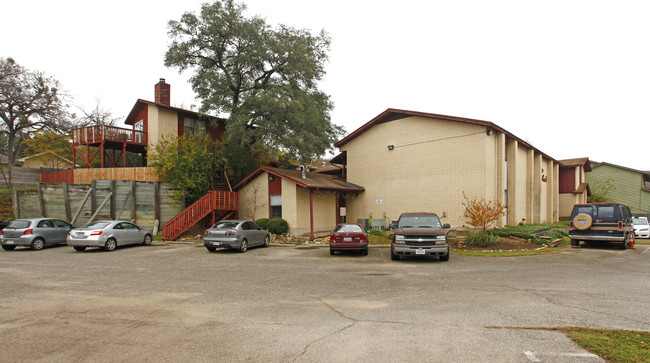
[(188, 163), (42, 142), (600, 191), (29, 101), (264, 79)]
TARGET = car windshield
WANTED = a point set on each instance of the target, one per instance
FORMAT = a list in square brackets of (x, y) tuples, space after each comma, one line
[(225, 225), (427, 221), (641, 221), (19, 224), (98, 225), (353, 228)]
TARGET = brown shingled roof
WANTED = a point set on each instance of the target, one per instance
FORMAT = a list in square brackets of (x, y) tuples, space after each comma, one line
[(577, 162), (312, 181)]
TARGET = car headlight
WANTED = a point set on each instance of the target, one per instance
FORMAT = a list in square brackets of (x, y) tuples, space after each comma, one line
[(399, 238)]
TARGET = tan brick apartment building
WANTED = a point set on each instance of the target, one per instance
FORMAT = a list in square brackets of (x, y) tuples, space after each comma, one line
[(405, 161), (412, 161)]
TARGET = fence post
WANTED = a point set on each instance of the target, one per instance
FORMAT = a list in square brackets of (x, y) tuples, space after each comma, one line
[(41, 202), (16, 204), (133, 202), (156, 197), (66, 201), (93, 195), (113, 199)]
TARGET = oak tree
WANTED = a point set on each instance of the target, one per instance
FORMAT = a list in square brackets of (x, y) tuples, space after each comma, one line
[(264, 80), (29, 101)]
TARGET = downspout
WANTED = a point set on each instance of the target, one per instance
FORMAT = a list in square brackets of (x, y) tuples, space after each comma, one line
[(311, 213)]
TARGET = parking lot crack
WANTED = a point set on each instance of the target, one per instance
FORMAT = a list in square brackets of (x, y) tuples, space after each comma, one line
[(566, 305)]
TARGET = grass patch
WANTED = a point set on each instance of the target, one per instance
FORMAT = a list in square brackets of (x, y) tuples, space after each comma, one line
[(533, 232), (612, 345), (158, 237), (376, 237)]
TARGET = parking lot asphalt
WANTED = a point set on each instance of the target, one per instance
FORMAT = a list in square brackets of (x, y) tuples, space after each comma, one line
[(183, 303)]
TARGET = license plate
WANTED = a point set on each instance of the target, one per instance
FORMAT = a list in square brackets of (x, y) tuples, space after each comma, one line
[(419, 251), (581, 222), (347, 239), (216, 243), (9, 242)]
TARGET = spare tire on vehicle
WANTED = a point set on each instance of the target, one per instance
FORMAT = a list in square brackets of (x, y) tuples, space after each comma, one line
[(582, 221)]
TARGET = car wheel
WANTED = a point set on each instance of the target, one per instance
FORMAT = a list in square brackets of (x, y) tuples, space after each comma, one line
[(575, 243), (582, 221), (445, 257), (365, 252), (79, 248), (147, 240), (110, 244), (393, 256), (623, 245), (266, 241), (244, 246), (211, 249), (8, 248), (37, 244), (331, 253)]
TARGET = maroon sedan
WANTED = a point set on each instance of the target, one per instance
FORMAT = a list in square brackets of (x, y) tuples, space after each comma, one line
[(349, 237)]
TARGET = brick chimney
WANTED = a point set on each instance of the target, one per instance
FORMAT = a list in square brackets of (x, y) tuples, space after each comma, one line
[(162, 92)]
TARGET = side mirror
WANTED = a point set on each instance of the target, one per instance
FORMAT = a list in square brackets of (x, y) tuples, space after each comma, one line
[(392, 225), (446, 225)]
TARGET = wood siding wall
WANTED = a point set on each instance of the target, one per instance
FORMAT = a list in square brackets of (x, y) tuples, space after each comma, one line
[(85, 176), (627, 187)]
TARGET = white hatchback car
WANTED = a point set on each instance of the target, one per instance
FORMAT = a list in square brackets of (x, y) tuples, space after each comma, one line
[(641, 227)]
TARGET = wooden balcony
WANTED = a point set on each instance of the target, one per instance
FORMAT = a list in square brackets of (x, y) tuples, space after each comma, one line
[(93, 135), (106, 138)]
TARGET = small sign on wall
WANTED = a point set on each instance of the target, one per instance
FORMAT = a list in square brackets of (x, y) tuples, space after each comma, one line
[(342, 211), (379, 202)]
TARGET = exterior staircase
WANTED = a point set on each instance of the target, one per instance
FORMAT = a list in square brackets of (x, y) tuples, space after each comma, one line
[(211, 203)]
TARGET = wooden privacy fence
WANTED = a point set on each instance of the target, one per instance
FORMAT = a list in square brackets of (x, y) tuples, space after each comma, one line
[(87, 175), (141, 202)]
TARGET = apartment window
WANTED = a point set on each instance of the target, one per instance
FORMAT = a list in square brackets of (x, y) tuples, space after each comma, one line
[(276, 205), (193, 127), (646, 182)]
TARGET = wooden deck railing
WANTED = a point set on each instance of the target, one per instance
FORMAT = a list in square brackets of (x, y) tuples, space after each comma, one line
[(214, 200), (99, 133)]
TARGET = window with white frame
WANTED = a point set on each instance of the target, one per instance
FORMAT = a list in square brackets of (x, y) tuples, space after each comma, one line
[(276, 206)]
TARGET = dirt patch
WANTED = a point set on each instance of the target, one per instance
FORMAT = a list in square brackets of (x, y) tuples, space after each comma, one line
[(505, 244)]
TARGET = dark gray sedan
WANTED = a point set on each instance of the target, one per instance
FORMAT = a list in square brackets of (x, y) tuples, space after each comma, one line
[(34, 233), (108, 235), (236, 234)]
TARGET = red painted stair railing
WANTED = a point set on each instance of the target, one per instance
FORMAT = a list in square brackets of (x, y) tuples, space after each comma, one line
[(214, 200)]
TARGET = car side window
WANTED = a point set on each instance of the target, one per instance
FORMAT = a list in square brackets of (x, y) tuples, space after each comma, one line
[(128, 226), (60, 224), (254, 226), (118, 226), (246, 226), (45, 224)]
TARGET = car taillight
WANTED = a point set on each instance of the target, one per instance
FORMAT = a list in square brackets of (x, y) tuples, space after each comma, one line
[(620, 225), (231, 233), (363, 239), (570, 225), (97, 233), (28, 231), (332, 239)]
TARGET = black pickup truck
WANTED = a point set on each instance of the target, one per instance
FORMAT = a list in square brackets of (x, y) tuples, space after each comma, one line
[(419, 234)]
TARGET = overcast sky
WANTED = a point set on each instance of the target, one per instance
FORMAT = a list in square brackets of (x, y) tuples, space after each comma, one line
[(570, 77)]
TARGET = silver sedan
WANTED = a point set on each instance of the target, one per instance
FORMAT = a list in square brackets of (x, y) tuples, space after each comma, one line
[(108, 235), (235, 233)]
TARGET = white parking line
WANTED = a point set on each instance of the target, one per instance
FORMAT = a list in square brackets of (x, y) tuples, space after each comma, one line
[(533, 358)]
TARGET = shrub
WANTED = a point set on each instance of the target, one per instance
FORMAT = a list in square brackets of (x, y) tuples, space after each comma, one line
[(481, 240), (277, 226), (376, 232), (263, 222)]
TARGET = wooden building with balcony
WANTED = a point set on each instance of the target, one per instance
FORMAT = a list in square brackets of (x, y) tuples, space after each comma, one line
[(150, 122)]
